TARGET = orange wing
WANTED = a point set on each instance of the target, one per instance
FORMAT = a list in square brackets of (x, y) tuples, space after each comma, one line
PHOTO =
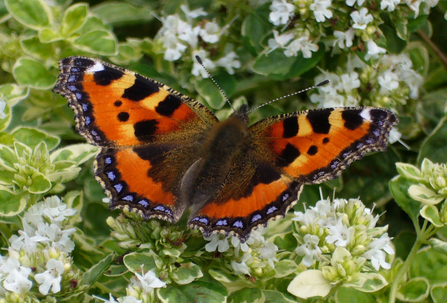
[(142, 127), (286, 152)]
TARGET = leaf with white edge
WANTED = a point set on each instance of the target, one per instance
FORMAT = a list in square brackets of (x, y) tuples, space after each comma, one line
[(11, 204), (35, 14), (399, 189), (74, 17), (424, 194), (223, 277), (284, 268), (252, 295), (29, 72), (34, 47), (78, 153), (133, 261), (438, 245), (96, 271), (415, 290), (13, 93), (47, 36), (409, 171), (186, 273), (310, 283), (5, 114), (74, 199), (64, 171), (40, 183), (439, 293), (273, 296), (33, 137), (367, 282), (7, 158), (431, 213), (99, 42)]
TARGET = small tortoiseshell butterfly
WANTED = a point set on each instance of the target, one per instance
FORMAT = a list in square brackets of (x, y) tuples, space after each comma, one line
[(162, 152)]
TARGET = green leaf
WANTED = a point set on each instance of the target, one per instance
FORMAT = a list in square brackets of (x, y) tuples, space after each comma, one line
[(29, 72), (274, 64), (13, 93), (99, 42), (96, 271), (439, 293), (34, 14), (78, 153), (415, 290), (33, 137), (186, 273), (409, 172), (254, 295), (273, 296), (284, 268), (74, 17), (40, 183), (133, 261), (302, 65), (431, 213), (438, 245), (416, 23), (353, 295), (434, 146), (4, 121), (197, 291), (429, 264), (11, 204), (399, 189), (211, 93), (254, 28), (48, 35), (33, 47), (122, 13), (367, 282)]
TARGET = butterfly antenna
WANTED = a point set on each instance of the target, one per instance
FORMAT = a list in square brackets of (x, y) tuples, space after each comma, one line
[(289, 95), (214, 81)]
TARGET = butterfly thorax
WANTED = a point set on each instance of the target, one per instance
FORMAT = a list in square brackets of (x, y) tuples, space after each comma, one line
[(221, 145)]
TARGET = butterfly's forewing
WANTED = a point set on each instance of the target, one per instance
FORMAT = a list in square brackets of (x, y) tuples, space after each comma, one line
[(141, 125)]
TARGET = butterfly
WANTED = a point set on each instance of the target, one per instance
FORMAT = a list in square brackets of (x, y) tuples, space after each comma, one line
[(162, 152)]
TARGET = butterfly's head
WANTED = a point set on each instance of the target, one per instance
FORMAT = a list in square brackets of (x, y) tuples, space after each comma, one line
[(241, 113)]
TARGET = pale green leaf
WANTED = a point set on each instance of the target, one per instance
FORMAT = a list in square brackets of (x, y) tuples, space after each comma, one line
[(34, 14), (310, 283)]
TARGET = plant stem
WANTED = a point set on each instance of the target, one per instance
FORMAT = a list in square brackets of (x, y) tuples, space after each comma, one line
[(433, 47), (421, 239)]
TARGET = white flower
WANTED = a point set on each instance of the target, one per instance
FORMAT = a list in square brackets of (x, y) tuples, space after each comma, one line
[(352, 2), (27, 243), (320, 9), (305, 218), (190, 35), (322, 207), (126, 299), (60, 238), (279, 40), (241, 268), (377, 250), (361, 18), (388, 81), (303, 44), (281, 11), (17, 280), (268, 251), (197, 69), (2, 108), (210, 33), (390, 5), (342, 38), (309, 249), (174, 49), (348, 82), (230, 62), (413, 80), (339, 234), (55, 210), (373, 50), (218, 241), (51, 278), (148, 281), (194, 13)]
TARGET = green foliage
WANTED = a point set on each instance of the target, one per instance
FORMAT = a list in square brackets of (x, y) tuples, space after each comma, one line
[(41, 154)]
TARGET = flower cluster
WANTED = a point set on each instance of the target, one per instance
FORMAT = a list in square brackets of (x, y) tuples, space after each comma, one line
[(431, 181), (389, 85), (178, 35), (344, 230), (356, 24), (39, 257), (255, 257)]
